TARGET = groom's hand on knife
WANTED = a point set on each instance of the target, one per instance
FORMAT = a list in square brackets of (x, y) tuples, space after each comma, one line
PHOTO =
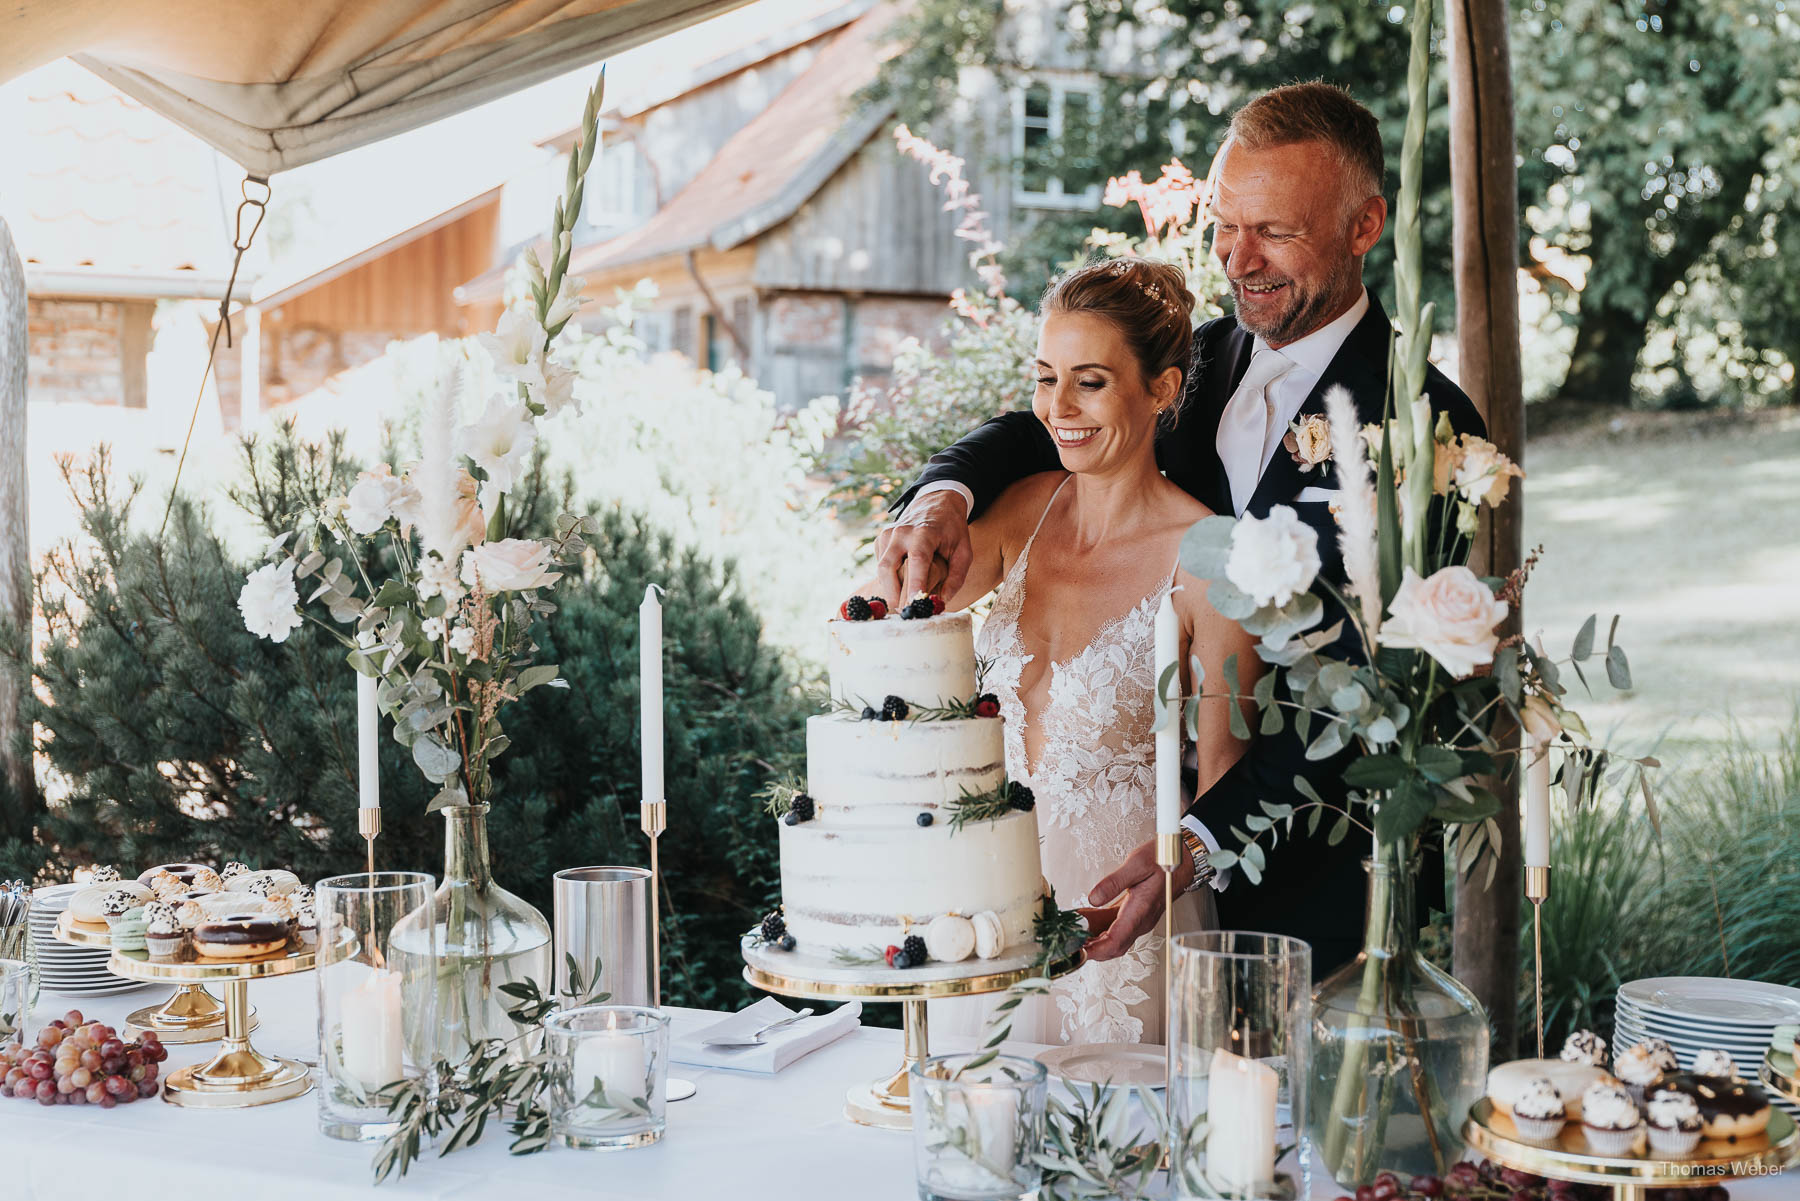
[(927, 550), (1137, 886)]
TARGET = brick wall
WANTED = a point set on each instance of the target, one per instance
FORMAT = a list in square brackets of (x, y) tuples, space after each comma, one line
[(87, 351)]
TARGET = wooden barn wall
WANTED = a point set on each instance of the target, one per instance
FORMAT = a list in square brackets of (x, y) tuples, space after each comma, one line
[(407, 291), (878, 225)]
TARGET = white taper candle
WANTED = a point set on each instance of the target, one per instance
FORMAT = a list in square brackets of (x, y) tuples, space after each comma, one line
[(1168, 739), (1537, 800), (650, 688), (368, 744)]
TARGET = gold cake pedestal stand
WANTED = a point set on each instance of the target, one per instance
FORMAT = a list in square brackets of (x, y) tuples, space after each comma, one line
[(1779, 1073), (886, 1102), (1569, 1158), (239, 1076), (191, 1015)]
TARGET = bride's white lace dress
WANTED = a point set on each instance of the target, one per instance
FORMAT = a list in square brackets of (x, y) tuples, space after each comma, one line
[(1095, 783)]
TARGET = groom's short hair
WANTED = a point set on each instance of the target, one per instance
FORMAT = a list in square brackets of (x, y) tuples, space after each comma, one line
[(1316, 112)]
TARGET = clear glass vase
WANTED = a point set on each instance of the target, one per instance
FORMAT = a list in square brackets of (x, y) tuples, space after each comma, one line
[(1399, 1047), (485, 937)]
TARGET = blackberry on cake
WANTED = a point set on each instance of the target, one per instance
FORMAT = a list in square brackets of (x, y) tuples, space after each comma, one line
[(917, 608), (773, 927), (1022, 798), (800, 809), (914, 950), (856, 609), (894, 709)]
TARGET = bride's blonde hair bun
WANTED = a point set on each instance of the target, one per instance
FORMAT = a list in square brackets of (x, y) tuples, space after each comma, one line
[(1147, 300)]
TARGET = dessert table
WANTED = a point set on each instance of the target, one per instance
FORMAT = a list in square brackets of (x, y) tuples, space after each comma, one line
[(749, 1137)]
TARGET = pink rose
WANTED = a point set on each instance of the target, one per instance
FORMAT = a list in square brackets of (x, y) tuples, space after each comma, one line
[(510, 565), (1452, 616)]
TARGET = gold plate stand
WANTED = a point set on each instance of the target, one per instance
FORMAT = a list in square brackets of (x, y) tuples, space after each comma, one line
[(885, 1103), (1780, 1074), (239, 1076), (191, 1015), (1569, 1158)]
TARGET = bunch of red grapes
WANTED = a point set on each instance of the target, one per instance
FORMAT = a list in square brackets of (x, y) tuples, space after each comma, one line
[(77, 1062), (1487, 1181)]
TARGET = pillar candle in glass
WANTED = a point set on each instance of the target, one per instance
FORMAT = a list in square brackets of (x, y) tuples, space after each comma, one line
[(1240, 1008), (608, 1074), (977, 1130), (376, 966)]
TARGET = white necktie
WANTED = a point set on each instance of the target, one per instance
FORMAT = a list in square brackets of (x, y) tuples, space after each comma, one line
[(1244, 426)]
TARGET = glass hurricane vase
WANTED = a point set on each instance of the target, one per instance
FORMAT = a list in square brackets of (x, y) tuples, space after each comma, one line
[(485, 937), (1399, 1047)]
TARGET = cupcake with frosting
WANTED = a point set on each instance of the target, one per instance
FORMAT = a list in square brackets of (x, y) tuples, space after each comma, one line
[(163, 934), (1716, 1063), (1643, 1065), (189, 914), (307, 924), (1584, 1046), (1674, 1123), (165, 884), (1538, 1112), (116, 904), (232, 871), (1609, 1118), (208, 879), (104, 873)]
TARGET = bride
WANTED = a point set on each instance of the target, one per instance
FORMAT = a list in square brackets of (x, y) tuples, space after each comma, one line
[(1082, 558)]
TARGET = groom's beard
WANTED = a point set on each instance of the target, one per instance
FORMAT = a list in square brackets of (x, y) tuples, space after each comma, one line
[(1306, 309)]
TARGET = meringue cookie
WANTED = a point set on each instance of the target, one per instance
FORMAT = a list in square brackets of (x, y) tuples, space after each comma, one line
[(1584, 1046), (1716, 1063)]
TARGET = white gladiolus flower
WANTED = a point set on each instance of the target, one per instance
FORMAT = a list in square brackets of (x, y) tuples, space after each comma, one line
[(568, 298), (462, 640), (510, 565), (558, 391), (1273, 558), (377, 496), (499, 443), (270, 603), (1452, 616), (517, 347)]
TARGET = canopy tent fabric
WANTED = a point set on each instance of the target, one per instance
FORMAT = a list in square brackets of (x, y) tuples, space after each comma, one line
[(278, 86)]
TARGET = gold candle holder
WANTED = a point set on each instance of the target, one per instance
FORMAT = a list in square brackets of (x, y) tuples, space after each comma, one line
[(368, 824), (1168, 851), (1537, 891), (654, 817)]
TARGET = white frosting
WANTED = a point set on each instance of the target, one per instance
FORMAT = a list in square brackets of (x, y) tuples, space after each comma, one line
[(278, 881), (1584, 1046), (1608, 1107), (1643, 1063), (1715, 1063), (1673, 1111), (929, 661), (885, 773), (1539, 1100)]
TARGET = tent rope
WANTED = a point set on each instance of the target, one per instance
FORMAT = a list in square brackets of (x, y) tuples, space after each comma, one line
[(251, 206)]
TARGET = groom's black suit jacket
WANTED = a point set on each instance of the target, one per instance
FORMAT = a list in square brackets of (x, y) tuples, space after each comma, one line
[(1310, 890)]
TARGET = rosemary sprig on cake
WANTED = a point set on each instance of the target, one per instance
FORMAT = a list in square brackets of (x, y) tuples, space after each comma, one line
[(1008, 796), (869, 956), (778, 795)]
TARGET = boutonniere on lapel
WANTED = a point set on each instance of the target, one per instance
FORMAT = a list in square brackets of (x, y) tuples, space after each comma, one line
[(1308, 440)]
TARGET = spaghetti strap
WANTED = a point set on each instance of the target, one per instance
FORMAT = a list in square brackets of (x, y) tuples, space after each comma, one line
[(1046, 513)]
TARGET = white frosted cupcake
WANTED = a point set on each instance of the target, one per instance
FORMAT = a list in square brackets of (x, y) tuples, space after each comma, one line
[(1643, 1065), (1674, 1123), (1609, 1118), (1538, 1112), (1584, 1046), (1716, 1063)]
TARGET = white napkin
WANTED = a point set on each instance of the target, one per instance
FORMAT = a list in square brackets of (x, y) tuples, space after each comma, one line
[(779, 1047)]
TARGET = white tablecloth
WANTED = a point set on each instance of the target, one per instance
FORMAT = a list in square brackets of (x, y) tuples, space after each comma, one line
[(743, 1137)]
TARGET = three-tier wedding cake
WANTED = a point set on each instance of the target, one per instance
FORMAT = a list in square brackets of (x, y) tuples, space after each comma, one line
[(908, 834)]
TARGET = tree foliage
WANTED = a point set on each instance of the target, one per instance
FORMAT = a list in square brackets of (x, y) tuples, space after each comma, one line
[(1652, 137)]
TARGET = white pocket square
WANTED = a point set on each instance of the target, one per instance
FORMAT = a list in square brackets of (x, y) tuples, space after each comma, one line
[(1325, 494)]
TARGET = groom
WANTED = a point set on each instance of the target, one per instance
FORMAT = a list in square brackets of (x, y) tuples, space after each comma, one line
[(1298, 205)]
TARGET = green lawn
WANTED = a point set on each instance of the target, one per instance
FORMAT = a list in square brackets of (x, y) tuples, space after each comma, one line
[(1685, 527)]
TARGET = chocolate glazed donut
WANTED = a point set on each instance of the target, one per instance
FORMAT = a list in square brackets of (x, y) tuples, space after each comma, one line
[(240, 936), (185, 872), (1729, 1109)]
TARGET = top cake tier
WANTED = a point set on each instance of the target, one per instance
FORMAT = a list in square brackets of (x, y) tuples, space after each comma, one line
[(927, 661)]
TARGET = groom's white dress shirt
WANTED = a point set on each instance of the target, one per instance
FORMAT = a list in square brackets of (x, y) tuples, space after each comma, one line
[(1282, 401)]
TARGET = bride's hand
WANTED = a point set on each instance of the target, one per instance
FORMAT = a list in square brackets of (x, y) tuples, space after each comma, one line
[(1140, 882)]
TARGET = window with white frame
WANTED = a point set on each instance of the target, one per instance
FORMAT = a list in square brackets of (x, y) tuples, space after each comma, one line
[(614, 191), (1050, 116)]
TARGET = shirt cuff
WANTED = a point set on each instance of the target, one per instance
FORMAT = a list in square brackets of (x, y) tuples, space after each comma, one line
[(1200, 831), (939, 486)]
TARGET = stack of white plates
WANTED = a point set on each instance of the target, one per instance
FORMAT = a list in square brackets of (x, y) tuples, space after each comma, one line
[(1699, 1013), (69, 971)]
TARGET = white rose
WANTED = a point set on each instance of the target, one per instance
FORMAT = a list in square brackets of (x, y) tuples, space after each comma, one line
[(1273, 558), (269, 602), (376, 497), (1453, 617), (1312, 440), (510, 565)]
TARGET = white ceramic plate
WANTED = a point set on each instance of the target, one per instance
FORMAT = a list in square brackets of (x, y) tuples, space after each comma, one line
[(1700, 1026), (1117, 1064), (1675, 1033), (1753, 1003)]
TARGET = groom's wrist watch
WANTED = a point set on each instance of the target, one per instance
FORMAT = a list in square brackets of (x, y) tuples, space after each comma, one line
[(1204, 871)]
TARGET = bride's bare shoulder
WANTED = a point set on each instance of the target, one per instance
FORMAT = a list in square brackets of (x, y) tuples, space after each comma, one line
[(1019, 507)]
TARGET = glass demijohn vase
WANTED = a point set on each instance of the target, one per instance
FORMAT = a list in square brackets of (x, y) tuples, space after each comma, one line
[(486, 937), (1400, 1047)]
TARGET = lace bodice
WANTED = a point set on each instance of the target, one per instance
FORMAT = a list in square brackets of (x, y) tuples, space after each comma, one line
[(1095, 783)]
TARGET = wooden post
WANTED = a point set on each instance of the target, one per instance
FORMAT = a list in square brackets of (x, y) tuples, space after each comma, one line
[(1484, 186), (20, 791)]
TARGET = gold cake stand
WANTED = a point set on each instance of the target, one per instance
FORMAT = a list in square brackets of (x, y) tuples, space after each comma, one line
[(1568, 1157), (239, 1076), (1780, 1074), (886, 1102), (191, 1015)]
